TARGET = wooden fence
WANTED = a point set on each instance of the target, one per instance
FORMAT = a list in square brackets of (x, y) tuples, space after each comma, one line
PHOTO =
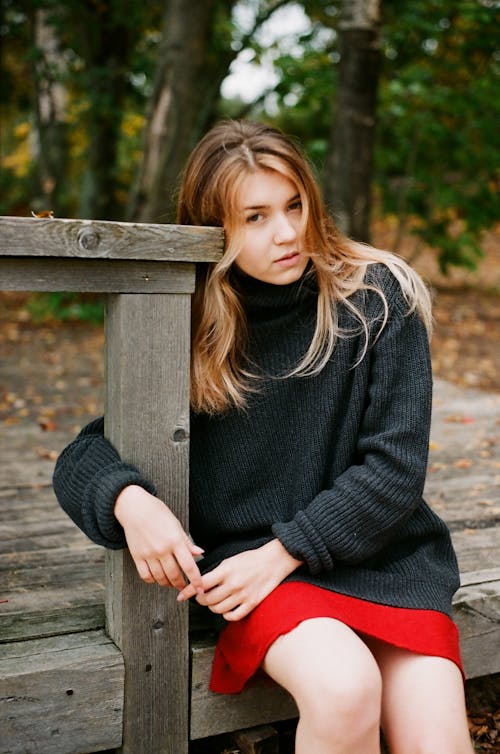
[(148, 274)]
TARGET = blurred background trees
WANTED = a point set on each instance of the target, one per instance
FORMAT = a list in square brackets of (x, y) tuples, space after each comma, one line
[(397, 105)]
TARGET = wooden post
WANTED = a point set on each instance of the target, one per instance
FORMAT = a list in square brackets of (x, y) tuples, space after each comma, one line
[(147, 419), (148, 272)]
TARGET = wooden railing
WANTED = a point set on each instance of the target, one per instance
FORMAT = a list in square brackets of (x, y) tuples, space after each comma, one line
[(148, 274)]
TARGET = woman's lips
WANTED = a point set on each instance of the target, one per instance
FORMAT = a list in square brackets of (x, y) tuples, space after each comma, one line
[(288, 260)]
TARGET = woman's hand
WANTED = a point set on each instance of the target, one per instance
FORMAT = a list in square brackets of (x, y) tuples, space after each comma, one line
[(241, 582), (161, 549)]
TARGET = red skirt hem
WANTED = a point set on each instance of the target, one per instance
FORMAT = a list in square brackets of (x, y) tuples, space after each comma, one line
[(242, 645)]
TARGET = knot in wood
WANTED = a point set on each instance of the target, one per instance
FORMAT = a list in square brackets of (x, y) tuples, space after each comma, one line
[(180, 434), (158, 624), (88, 239)]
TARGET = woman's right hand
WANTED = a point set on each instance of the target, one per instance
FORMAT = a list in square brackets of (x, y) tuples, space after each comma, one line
[(162, 551)]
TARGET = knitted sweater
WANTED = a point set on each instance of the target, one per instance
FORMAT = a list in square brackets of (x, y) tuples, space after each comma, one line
[(333, 465)]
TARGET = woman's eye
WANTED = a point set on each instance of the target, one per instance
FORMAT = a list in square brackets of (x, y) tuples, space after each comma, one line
[(254, 218), (295, 206)]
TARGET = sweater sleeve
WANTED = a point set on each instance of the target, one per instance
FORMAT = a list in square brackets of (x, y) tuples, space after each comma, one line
[(88, 476), (372, 500)]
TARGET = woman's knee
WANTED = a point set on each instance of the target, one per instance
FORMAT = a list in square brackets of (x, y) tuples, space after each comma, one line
[(333, 677), (346, 705)]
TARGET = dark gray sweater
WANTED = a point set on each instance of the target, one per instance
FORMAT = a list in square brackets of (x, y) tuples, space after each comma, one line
[(332, 465)]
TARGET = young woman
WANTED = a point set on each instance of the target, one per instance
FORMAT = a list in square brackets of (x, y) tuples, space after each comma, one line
[(311, 402)]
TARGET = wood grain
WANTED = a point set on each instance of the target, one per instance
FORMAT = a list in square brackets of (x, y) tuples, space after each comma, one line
[(101, 239), (61, 695), (147, 419), (95, 276)]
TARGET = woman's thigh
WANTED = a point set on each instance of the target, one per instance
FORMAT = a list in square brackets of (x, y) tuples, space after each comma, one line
[(423, 702), (323, 658)]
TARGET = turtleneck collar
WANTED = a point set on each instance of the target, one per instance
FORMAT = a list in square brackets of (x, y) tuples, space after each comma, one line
[(258, 297)]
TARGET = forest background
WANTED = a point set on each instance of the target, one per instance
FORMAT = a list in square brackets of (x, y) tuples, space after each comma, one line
[(396, 104)]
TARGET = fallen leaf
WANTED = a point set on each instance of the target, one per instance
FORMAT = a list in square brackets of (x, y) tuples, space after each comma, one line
[(436, 467), (11, 420), (46, 454), (47, 425), (463, 463), (460, 419)]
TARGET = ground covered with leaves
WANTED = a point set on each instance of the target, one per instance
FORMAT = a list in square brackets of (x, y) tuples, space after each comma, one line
[(52, 373)]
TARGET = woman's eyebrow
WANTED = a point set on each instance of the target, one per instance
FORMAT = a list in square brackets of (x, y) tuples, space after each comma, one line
[(266, 206), (255, 206)]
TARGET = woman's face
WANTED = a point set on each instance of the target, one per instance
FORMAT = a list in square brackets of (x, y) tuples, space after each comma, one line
[(269, 222)]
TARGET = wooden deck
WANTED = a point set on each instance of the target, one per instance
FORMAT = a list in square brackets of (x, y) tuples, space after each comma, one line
[(52, 590)]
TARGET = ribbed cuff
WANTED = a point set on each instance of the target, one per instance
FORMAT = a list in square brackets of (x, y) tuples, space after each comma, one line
[(303, 542), (103, 491)]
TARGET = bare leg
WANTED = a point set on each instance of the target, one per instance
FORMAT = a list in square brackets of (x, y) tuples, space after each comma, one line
[(336, 684), (423, 702)]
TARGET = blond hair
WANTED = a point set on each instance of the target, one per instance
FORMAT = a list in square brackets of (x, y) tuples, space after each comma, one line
[(214, 172)]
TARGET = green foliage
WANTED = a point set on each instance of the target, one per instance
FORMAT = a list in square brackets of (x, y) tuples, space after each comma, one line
[(66, 307), (100, 47), (437, 159)]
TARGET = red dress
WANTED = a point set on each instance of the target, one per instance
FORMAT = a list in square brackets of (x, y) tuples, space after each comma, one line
[(242, 645)]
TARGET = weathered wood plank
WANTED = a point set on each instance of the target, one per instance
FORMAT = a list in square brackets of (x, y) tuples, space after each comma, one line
[(21, 464), (61, 695), (477, 549), (58, 575), (91, 276), (211, 714), (476, 609), (86, 613), (260, 740), (102, 239), (465, 500), (472, 578), (43, 539), (147, 419), (62, 557)]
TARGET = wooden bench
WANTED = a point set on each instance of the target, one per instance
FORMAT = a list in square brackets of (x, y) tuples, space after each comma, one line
[(89, 663)]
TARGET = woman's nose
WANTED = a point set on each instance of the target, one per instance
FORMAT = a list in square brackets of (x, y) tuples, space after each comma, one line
[(285, 231)]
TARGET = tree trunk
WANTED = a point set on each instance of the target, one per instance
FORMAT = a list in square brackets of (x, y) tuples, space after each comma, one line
[(49, 144), (190, 72), (106, 43), (347, 187)]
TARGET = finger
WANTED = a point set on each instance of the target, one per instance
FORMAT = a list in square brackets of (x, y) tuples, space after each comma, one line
[(195, 550), (158, 572), (190, 569), (144, 571), (186, 594), (216, 595), (173, 572), (241, 611), (213, 578), (225, 606)]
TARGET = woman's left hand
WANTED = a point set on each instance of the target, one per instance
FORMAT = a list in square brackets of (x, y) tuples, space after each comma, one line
[(241, 582)]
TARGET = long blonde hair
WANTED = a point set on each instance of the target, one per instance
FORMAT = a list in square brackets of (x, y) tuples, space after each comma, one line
[(226, 154)]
